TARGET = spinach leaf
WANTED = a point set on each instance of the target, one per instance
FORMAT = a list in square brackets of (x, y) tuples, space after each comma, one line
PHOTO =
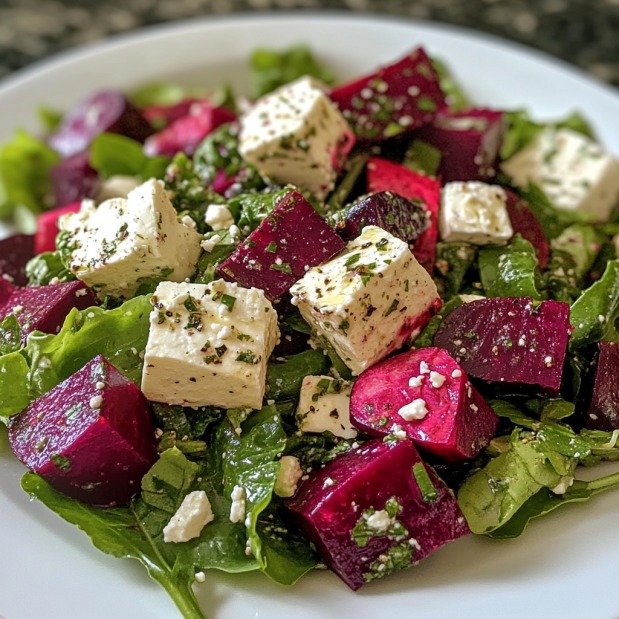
[(604, 446), (313, 449), (453, 262), (210, 260), (293, 321), (41, 269), (10, 335), (559, 280), (185, 420), (284, 379), (426, 338), (250, 209), (50, 119), (422, 157), (14, 386), (583, 243), (163, 94), (455, 97), (356, 165)]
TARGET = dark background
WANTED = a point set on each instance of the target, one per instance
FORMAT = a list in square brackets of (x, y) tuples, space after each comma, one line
[(583, 32)]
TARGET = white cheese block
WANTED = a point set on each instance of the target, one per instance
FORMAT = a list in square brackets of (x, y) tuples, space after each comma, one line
[(474, 212), (289, 476), (208, 345), (295, 135), (191, 517), (368, 300), (117, 186), (573, 171), (123, 242), (324, 404)]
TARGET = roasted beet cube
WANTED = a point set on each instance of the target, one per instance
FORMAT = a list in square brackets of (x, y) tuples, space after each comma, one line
[(74, 179), (526, 224), (6, 290), (375, 510), (186, 133), (603, 410), (517, 342), (162, 115), (91, 437), (383, 175), (397, 98), (293, 238), (47, 227), (469, 143), (44, 308), (103, 111), (389, 211), (426, 393), (15, 251)]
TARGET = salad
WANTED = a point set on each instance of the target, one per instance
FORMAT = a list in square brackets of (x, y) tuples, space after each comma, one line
[(331, 326)]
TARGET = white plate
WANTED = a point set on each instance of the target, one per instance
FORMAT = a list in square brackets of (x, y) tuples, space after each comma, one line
[(564, 567)]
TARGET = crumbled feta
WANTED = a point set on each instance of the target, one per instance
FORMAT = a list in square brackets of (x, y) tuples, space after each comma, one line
[(237, 509), (189, 222), (474, 212), (289, 475), (191, 517), (117, 186), (197, 355), (218, 217), (572, 170), (200, 577), (563, 485), (424, 368), (416, 410), (367, 301), (456, 374), (437, 380), (296, 135), (324, 404), (380, 521), (96, 402), (208, 245), (415, 381), (398, 432), (100, 386)]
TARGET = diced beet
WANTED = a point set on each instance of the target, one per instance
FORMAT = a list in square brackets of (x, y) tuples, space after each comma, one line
[(47, 227), (91, 437), (603, 410), (101, 112), (6, 290), (162, 115), (397, 98), (331, 503), (527, 225), (44, 308), (469, 143), (74, 179), (273, 257), (389, 211), (186, 133), (15, 251), (516, 342), (383, 175), (458, 423)]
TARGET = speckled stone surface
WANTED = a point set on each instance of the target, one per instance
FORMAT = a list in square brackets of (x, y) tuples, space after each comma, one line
[(583, 32)]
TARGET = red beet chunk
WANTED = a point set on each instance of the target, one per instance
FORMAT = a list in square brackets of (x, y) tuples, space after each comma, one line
[(389, 211), (276, 254), (186, 133), (515, 341), (44, 308), (47, 227), (383, 175), (6, 290), (458, 423), (469, 143), (603, 411), (397, 98), (104, 111), (527, 225), (15, 251), (162, 115), (330, 505), (74, 179), (91, 437)]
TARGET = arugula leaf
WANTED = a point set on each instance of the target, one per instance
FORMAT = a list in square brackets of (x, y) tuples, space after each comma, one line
[(10, 335), (284, 379), (453, 262), (14, 385), (456, 99), (41, 269), (163, 94), (426, 338)]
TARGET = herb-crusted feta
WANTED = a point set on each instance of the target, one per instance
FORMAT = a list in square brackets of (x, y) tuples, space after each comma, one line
[(474, 212), (123, 242), (574, 172), (208, 345), (296, 135), (368, 300), (191, 517), (324, 405)]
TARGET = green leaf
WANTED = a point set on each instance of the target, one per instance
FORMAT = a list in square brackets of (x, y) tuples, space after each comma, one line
[(10, 335), (456, 99), (209, 261), (509, 411), (250, 209), (556, 410), (46, 266), (454, 262), (559, 280), (50, 119), (163, 94), (426, 338), (185, 420), (583, 243), (428, 491), (14, 385), (284, 379), (340, 194), (422, 157)]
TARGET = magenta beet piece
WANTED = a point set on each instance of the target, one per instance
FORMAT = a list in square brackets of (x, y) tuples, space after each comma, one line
[(527, 225), (397, 98), (74, 179), (469, 143), (458, 423), (275, 255), (15, 251), (6, 290), (103, 111), (333, 506), (47, 227), (186, 133), (162, 115), (91, 437), (44, 308), (516, 342), (603, 411), (389, 211)]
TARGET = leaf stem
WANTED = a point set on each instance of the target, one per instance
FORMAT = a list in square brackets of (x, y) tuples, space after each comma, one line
[(604, 483)]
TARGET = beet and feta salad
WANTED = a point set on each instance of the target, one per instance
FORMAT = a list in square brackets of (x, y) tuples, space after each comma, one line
[(328, 326)]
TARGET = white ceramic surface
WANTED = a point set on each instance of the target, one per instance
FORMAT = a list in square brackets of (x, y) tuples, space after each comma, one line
[(566, 565)]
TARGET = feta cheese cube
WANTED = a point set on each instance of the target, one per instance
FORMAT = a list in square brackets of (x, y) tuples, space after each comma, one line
[(191, 517), (122, 242), (324, 404), (474, 212), (208, 345), (289, 475), (117, 186), (368, 300), (296, 135), (572, 170)]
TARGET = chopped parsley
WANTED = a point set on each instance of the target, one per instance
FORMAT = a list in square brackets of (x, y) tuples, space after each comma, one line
[(247, 356), (271, 247), (284, 268)]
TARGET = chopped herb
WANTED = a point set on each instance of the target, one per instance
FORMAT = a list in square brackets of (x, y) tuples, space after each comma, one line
[(353, 259), (392, 307), (62, 462), (284, 268), (248, 356), (228, 301), (243, 337), (194, 322), (428, 491), (382, 245), (191, 305), (271, 247)]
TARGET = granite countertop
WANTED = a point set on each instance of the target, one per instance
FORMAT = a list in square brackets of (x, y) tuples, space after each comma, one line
[(583, 32)]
